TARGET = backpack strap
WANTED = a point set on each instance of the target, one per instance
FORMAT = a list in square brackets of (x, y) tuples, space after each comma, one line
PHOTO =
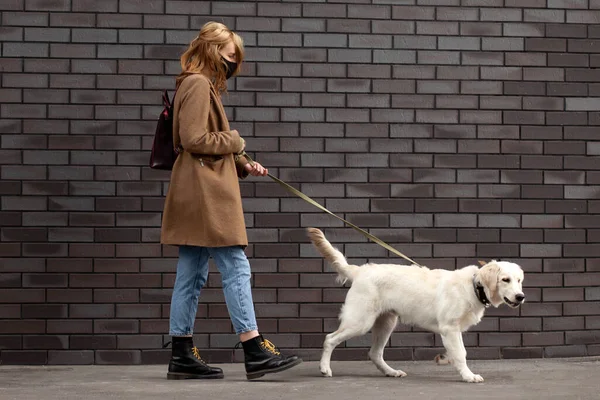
[(166, 101)]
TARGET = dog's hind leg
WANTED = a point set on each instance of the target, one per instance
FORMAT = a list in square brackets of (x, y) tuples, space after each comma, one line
[(442, 359), (356, 320), (382, 329)]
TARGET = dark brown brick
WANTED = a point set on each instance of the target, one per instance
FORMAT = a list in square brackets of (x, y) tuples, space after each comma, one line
[(116, 295), (562, 294), (116, 235), (139, 341), (45, 280), (70, 357), (155, 295), (564, 265), (436, 205), (116, 326), (91, 311), (10, 249), (478, 235), (565, 351), (24, 234), (91, 250), (10, 311), (299, 265), (22, 326), (299, 295), (498, 250), (44, 311), (118, 357), (300, 325), (54, 342), (563, 323), (276, 280), (69, 296), (116, 204), (69, 265), (24, 357), (276, 250), (69, 326), (138, 311), (522, 352), (91, 280), (9, 342)]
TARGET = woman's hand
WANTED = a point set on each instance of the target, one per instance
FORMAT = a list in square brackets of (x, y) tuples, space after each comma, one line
[(256, 170)]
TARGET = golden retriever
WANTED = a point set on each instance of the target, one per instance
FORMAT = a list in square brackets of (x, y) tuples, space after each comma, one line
[(440, 301)]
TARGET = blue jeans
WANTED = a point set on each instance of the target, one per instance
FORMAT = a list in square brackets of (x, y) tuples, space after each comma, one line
[(192, 273)]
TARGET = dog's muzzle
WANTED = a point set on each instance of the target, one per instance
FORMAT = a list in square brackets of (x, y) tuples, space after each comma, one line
[(519, 299)]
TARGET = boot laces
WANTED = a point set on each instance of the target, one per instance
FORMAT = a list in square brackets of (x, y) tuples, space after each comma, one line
[(196, 353), (270, 347)]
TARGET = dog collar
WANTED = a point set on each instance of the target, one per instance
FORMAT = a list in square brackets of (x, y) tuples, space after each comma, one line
[(480, 293)]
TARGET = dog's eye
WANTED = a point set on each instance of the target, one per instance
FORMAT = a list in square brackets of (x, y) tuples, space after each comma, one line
[(507, 280)]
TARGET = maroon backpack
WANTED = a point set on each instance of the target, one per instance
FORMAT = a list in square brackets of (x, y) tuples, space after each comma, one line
[(163, 154)]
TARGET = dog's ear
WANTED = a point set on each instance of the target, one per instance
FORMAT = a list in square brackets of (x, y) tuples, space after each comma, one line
[(488, 276), (482, 263)]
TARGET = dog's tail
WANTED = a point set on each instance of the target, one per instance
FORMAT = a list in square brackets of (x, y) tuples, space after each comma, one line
[(346, 272)]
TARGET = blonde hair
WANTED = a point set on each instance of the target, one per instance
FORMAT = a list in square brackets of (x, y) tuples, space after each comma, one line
[(203, 54)]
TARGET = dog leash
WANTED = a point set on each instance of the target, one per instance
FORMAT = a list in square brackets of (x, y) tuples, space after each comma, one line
[(304, 197)]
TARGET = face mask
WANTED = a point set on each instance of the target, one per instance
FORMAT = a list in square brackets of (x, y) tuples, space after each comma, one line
[(231, 67)]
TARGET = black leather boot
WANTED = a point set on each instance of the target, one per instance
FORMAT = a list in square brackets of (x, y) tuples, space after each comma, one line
[(186, 362), (262, 357)]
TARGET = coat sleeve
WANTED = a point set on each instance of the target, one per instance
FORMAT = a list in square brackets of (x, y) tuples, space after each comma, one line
[(240, 163), (193, 120)]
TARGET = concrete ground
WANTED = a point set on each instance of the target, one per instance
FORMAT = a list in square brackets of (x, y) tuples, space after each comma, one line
[(504, 379)]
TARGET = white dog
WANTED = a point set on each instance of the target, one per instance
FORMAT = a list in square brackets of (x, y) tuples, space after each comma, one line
[(441, 301)]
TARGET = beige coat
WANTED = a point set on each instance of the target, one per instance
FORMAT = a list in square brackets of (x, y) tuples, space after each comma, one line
[(204, 205)]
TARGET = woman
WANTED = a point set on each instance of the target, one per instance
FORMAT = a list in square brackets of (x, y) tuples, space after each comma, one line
[(203, 210)]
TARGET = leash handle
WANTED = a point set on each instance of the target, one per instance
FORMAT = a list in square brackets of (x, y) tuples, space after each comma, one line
[(304, 197)]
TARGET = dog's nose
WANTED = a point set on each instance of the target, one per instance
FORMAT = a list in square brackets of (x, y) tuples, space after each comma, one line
[(520, 297)]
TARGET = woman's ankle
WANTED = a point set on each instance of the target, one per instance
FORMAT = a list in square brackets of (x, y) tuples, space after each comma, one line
[(245, 336)]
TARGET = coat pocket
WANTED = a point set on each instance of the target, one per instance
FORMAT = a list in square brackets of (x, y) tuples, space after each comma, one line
[(207, 158)]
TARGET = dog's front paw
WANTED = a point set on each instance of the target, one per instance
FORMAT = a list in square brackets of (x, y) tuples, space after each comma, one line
[(326, 371), (473, 378), (396, 373)]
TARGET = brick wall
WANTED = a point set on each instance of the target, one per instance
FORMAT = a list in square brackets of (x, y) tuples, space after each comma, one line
[(455, 130)]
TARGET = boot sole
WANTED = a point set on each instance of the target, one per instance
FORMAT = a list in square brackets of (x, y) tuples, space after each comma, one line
[(258, 374), (177, 376)]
